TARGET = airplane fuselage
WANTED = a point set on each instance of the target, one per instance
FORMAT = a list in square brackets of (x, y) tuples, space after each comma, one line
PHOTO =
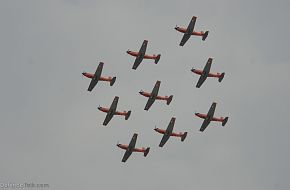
[(200, 72), (147, 94), (210, 118), (135, 54), (89, 75), (162, 131), (106, 110), (125, 147), (183, 30)]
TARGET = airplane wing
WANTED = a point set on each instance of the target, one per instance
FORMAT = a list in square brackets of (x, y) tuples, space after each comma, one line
[(188, 32), (126, 155), (211, 110), (111, 111), (152, 98), (207, 66), (96, 76), (168, 132), (200, 81), (130, 148), (164, 139), (149, 103), (204, 125), (108, 118), (209, 117), (205, 73), (170, 125), (133, 141), (141, 54)]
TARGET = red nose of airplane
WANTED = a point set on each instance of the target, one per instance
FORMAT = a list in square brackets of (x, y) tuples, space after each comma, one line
[(84, 73)]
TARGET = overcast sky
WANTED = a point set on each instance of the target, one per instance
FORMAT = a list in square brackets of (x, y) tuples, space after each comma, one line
[(51, 131)]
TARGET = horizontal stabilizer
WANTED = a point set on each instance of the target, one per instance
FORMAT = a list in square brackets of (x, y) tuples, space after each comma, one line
[(225, 121), (112, 81), (183, 136), (127, 115), (157, 58), (204, 36), (146, 151), (221, 77), (169, 99)]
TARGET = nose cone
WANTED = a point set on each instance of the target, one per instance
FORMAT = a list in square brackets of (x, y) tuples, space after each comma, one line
[(197, 114), (176, 27), (84, 73), (192, 70), (128, 51), (141, 92), (99, 108)]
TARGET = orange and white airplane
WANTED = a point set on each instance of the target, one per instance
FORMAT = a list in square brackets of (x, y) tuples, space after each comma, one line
[(97, 77), (142, 55), (131, 148), (210, 117), (189, 31), (169, 132), (112, 111), (154, 96), (206, 73)]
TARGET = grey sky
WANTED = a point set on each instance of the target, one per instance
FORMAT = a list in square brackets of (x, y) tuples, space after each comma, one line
[(51, 129)]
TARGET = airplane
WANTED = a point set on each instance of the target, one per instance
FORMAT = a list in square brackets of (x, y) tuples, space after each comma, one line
[(154, 96), (112, 111), (142, 55), (131, 148), (206, 73), (97, 77), (168, 132), (190, 31), (210, 117)]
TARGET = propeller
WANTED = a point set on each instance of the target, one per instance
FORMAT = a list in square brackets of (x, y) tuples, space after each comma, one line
[(117, 143)]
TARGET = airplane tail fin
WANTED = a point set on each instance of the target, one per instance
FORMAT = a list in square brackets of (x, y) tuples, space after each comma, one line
[(157, 58), (112, 81), (127, 115), (183, 136), (221, 77), (169, 99), (204, 36), (225, 121), (146, 151)]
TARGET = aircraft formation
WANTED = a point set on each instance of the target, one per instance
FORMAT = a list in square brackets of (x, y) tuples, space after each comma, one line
[(153, 95)]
